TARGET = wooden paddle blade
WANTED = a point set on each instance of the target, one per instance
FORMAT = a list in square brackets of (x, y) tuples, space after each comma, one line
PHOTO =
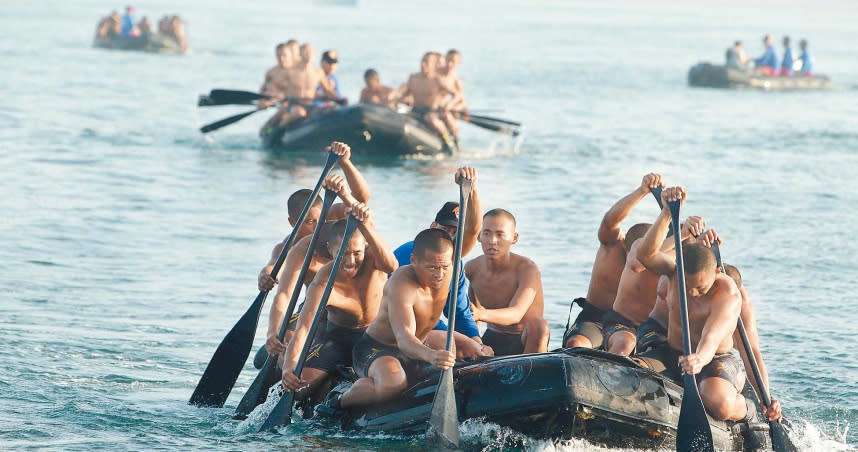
[(281, 415), (258, 389), (226, 121), (781, 442), (443, 421), (229, 358), (693, 433)]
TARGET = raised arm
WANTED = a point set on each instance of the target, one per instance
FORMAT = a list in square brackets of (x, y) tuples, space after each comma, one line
[(302, 329), (609, 229), (649, 252), (473, 216), (290, 272), (383, 257), (357, 184), (529, 286)]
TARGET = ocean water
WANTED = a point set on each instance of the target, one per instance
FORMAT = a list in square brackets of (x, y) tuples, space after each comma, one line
[(130, 243)]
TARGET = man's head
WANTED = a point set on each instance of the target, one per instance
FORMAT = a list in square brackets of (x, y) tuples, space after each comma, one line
[(803, 44), (330, 61), (635, 232), (786, 41), (737, 45), (767, 40), (432, 258), (498, 233), (426, 64), (699, 268), (447, 219), (354, 252), (282, 54), (296, 204), (129, 9), (306, 53), (371, 78), (453, 59), (733, 272), (435, 60)]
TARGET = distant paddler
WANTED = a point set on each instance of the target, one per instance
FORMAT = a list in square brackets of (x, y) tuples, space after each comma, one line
[(376, 93), (276, 77), (330, 62), (429, 92)]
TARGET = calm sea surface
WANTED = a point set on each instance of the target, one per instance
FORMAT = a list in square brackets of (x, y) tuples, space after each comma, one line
[(130, 243)]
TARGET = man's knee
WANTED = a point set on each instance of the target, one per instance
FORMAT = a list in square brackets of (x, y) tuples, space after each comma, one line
[(578, 341), (721, 399), (388, 376)]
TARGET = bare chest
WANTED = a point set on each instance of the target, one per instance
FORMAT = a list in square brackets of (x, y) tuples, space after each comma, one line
[(494, 290)]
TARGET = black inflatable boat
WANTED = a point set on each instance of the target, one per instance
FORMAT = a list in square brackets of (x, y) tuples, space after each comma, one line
[(153, 43), (709, 75), (573, 393), (368, 129)]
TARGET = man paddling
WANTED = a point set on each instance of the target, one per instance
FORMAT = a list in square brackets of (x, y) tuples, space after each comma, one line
[(636, 292), (714, 304), (294, 260), (374, 92), (392, 349), (467, 334), (456, 101), (428, 92), (276, 78), (304, 79), (329, 63), (352, 305), (586, 331), (506, 290)]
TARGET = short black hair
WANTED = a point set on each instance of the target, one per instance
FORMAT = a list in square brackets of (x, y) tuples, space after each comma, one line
[(280, 46), (500, 213), (786, 40), (435, 240), (298, 200), (453, 52), (697, 258), (370, 73), (337, 230), (733, 272), (635, 232)]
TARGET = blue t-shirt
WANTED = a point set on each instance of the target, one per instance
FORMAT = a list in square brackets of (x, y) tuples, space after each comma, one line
[(770, 59), (788, 61), (465, 323), (127, 24), (320, 92), (806, 62)]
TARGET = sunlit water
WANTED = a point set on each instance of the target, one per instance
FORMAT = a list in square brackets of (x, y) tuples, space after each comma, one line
[(130, 243)]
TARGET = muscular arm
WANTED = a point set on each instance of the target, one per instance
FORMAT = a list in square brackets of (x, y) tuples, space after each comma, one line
[(473, 222), (528, 287), (384, 259), (357, 184), (327, 87), (289, 277), (305, 320), (721, 322), (749, 319), (609, 229), (649, 253), (403, 323)]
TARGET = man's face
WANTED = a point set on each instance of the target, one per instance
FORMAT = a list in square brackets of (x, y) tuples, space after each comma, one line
[(454, 60), (434, 269), (372, 83), (353, 255), (497, 236), (310, 221), (698, 284), (284, 57)]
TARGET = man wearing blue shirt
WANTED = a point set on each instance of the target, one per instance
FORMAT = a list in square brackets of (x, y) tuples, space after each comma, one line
[(768, 64), (467, 334), (786, 65), (806, 59), (329, 66), (128, 22)]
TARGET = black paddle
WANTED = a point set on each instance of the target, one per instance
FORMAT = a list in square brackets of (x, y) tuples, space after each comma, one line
[(780, 438), (444, 418), (235, 118), (693, 434), (229, 358), (282, 413), (256, 393), (229, 97)]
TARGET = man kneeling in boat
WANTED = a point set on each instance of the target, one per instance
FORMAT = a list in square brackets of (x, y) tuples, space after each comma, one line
[(586, 331), (393, 349), (303, 79), (506, 290), (714, 304), (429, 92), (352, 306)]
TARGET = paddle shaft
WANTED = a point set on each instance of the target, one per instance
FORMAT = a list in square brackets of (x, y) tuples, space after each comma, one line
[(282, 413), (464, 197), (256, 392)]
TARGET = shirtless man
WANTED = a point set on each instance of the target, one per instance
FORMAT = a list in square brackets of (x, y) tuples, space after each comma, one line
[(291, 268), (374, 92), (275, 78), (506, 290), (636, 292), (714, 304), (466, 334), (303, 79), (177, 27), (393, 345), (586, 331), (428, 92), (455, 103), (352, 305)]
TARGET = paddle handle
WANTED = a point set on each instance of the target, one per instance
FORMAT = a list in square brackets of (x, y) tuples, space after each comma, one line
[(351, 225), (452, 297)]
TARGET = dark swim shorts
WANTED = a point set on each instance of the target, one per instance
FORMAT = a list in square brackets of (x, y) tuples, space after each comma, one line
[(334, 348), (614, 322), (504, 343), (650, 334), (367, 350), (587, 324), (665, 360)]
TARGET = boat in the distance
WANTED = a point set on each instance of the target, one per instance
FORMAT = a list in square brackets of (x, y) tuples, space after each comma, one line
[(710, 75), (153, 43), (572, 393), (368, 129)]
